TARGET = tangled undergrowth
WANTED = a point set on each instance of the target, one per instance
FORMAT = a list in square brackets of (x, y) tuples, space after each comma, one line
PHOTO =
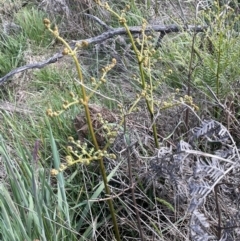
[(158, 163)]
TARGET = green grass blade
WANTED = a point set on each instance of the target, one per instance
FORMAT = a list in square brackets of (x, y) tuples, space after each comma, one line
[(94, 196)]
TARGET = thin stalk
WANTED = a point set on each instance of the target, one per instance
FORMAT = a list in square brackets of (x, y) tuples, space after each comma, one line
[(218, 68), (95, 143), (93, 136), (140, 59), (85, 97), (140, 64), (190, 70), (85, 104), (218, 61), (84, 101), (127, 140)]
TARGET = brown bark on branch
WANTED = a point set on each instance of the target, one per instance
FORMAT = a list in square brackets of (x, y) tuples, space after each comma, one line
[(102, 37)]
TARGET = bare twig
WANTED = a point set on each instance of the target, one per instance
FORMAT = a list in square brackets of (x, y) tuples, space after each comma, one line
[(100, 38), (194, 152), (189, 76), (38, 65), (99, 21), (219, 227), (129, 146), (137, 30), (111, 196)]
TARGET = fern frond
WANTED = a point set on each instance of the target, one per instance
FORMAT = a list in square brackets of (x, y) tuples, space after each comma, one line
[(209, 168), (198, 188), (199, 227), (206, 129)]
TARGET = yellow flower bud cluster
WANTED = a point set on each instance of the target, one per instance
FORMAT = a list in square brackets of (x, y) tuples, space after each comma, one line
[(104, 72), (51, 113), (85, 44), (109, 67), (189, 100), (66, 104), (122, 20), (167, 105), (106, 6), (55, 31), (170, 102), (54, 172), (81, 44), (127, 7), (97, 2), (84, 155), (65, 51), (47, 25), (109, 129)]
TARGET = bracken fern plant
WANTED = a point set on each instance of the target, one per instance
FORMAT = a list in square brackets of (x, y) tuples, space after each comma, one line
[(219, 50)]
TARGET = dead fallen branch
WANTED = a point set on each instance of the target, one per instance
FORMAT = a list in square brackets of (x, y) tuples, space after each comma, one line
[(111, 32), (38, 65)]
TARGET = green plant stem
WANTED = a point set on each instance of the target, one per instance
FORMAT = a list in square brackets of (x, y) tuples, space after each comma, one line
[(218, 69), (85, 104), (102, 168), (140, 64), (218, 62), (93, 136), (140, 59), (190, 70)]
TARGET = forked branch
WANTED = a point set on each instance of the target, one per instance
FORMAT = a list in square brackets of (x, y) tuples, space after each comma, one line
[(111, 32)]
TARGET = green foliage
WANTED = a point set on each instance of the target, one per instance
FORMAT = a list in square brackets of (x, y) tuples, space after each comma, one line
[(167, 204), (29, 209), (13, 45), (219, 52), (65, 206), (135, 16), (50, 81), (30, 20), (35, 208), (11, 52), (215, 54)]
